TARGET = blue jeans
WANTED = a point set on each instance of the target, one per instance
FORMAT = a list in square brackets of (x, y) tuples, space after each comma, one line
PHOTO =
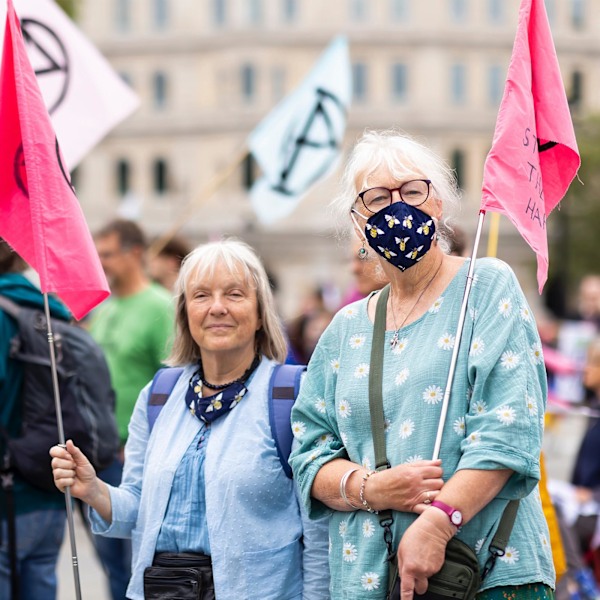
[(114, 553), (39, 538)]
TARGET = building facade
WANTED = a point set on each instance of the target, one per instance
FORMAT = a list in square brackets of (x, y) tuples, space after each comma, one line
[(207, 71)]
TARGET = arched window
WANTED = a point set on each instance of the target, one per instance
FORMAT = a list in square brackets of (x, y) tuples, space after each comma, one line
[(160, 175), (159, 85), (457, 160), (123, 176)]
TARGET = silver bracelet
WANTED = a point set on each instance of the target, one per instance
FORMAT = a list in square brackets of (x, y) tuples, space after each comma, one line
[(343, 482), (362, 492)]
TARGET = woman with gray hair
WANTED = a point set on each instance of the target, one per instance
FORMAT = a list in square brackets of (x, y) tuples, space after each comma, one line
[(392, 502), (204, 488)]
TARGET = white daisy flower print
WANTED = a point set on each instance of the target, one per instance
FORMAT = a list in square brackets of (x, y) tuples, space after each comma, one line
[(366, 463), (344, 409), (412, 459), (525, 314), (368, 528), (509, 360), (344, 437), (335, 365), (361, 371), (349, 551), (446, 342), (536, 354), (370, 581), (511, 555), (324, 439), (314, 455), (343, 528), (435, 307), (474, 314), (479, 545), (433, 394), (406, 428), (320, 405), (459, 426), (479, 408), (402, 376), (298, 429), (386, 425), (474, 438), (506, 415), (531, 404), (544, 542), (505, 307), (400, 346), (350, 312), (477, 347), (357, 341)]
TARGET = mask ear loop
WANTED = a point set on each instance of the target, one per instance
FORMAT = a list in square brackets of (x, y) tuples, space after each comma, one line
[(362, 252)]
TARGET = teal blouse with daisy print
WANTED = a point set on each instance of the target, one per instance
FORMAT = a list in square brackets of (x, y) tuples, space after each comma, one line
[(495, 421)]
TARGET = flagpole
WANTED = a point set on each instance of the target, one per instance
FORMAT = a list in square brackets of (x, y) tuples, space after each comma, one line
[(209, 189), (61, 439), (459, 330)]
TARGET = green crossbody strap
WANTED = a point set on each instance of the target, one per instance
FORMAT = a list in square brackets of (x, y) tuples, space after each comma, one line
[(502, 535)]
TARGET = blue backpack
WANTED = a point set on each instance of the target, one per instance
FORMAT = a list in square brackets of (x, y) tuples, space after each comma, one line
[(283, 391)]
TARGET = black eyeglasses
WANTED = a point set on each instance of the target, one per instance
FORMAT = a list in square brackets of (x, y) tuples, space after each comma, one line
[(413, 192)]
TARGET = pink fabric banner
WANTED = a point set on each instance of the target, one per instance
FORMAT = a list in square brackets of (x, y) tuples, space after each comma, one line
[(40, 216), (534, 155)]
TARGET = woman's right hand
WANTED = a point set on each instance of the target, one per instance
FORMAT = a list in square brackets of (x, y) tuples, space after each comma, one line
[(406, 488), (72, 469)]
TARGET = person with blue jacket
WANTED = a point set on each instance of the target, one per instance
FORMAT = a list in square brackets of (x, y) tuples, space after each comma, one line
[(39, 516), (204, 487)]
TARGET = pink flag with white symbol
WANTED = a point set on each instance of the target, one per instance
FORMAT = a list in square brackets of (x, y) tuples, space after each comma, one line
[(534, 155), (40, 216)]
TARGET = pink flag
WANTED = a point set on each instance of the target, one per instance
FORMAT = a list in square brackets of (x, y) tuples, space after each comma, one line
[(534, 155), (40, 216)]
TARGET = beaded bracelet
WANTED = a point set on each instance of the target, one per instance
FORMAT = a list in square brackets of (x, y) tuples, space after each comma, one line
[(343, 482), (362, 492)]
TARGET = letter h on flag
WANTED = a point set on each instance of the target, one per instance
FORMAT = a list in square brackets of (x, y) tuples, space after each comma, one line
[(534, 155), (40, 216)]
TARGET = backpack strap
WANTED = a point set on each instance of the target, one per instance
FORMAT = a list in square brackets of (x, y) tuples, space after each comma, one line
[(9, 306), (160, 389), (283, 391)]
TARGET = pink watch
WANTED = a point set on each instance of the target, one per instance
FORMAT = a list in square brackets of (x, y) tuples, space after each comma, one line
[(454, 515)]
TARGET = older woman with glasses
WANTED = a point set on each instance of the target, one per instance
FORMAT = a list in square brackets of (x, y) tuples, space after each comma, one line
[(395, 194)]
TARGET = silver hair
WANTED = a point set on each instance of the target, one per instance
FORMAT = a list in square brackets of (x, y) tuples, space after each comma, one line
[(403, 157), (232, 255)]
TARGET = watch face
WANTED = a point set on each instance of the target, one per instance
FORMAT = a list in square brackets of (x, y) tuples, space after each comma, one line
[(456, 517)]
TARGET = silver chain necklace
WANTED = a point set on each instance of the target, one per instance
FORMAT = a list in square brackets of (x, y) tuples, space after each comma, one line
[(395, 337)]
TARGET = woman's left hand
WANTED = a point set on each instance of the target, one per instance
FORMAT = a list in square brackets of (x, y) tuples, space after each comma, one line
[(422, 550)]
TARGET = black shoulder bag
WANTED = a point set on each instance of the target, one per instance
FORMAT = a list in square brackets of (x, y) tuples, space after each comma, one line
[(460, 576)]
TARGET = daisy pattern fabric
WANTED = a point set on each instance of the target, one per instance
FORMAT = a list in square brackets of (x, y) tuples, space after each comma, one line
[(495, 421)]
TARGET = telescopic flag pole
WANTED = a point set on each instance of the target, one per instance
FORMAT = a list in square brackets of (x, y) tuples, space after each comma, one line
[(459, 331), (61, 439)]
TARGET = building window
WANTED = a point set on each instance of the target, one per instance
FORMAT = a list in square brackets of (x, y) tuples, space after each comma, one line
[(578, 13), (160, 176), (219, 12), (496, 11), (123, 177), (358, 10), (458, 10), (159, 85), (576, 92), (248, 82), (278, 83), (495, 85), (161, 14), (123, 14), (457, 160), (400, 10), (359, 82), (290, 10), (458, 86), (255, 11), (249, 171), (399, 82)]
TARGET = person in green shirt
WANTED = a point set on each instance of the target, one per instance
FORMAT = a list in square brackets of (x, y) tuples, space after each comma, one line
[(134, 327)]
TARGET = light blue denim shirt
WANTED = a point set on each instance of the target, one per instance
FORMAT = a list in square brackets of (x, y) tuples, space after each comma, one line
[(262, 544)]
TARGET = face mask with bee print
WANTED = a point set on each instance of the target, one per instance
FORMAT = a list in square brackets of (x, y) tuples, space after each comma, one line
[(401, 233)]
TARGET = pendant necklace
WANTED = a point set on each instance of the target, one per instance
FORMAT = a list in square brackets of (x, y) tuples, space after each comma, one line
[(395, 337)]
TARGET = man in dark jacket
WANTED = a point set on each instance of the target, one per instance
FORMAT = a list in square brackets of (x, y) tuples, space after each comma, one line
[(39, 516)]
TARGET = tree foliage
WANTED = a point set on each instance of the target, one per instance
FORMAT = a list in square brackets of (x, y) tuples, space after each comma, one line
[(69, 6)]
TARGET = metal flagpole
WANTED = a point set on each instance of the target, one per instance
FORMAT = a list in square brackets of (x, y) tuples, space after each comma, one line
[(61, 439), (459, 330)]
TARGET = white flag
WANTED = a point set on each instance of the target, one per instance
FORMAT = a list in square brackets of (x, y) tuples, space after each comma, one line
[(82, 92), (299, 141)]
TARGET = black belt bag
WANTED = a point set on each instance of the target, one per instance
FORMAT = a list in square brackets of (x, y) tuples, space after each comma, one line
[(184, 576)]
